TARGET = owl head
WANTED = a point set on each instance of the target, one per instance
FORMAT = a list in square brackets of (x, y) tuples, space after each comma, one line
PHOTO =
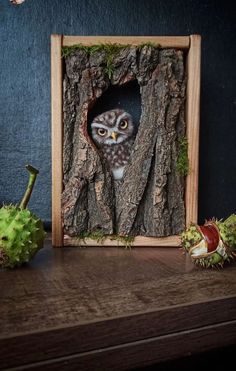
[(112, 127)]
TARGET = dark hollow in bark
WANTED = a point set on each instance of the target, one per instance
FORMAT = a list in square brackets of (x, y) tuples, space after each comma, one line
[(126, 97), (149, 200)]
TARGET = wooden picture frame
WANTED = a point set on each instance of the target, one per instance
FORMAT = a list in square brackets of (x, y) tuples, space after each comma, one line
[(192, 46)]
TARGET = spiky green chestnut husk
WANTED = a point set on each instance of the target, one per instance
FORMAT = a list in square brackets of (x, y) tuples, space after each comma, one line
[(212, 244), (21, 232)]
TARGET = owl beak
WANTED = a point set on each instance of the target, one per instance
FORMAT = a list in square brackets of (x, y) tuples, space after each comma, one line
[(114, 135)]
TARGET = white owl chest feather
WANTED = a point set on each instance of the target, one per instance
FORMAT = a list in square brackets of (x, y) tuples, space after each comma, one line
[(118, 172)]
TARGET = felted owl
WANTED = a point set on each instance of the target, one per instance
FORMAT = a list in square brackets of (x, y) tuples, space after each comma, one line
[(113, 133)]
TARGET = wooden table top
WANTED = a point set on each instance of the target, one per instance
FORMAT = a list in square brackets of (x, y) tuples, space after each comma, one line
[(112, 308)]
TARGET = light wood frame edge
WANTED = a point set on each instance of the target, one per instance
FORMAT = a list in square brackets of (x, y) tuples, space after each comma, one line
[(139, 241), (57, 138), (193, 44), (179, 42), (192, 127)]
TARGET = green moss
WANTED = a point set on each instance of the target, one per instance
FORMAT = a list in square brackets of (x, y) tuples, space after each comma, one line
[(110, 49), (149, 44), (96, 235), (99, 236), (127, 241), (182, 164)]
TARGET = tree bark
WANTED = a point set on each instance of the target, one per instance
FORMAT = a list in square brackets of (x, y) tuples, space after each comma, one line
[(149, 201), (87, 197)]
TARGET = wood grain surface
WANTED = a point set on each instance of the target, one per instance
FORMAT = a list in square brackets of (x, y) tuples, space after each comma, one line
[(57, 129), (180, 42), (139, 241), (112, 309), (193, 126)]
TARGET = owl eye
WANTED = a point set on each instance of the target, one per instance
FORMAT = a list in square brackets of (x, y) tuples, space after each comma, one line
[(123, 124), (102, 132)]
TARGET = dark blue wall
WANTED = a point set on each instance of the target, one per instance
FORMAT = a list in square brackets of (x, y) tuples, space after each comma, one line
[(25, 85)]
